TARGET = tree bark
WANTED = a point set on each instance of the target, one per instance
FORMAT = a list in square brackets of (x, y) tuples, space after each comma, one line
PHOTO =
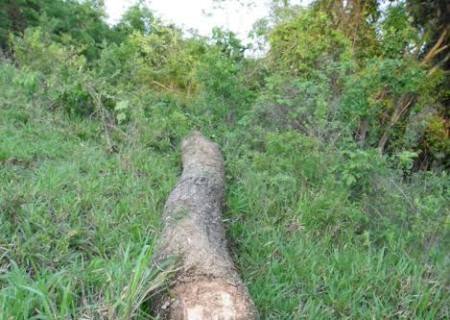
[(362, 132), (207, 286), (405, 102)]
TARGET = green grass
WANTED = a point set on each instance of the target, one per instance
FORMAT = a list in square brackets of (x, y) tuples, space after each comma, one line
[(78, 224), (310, 250)]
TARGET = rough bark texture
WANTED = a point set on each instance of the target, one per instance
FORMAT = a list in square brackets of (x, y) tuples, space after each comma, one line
[(207, 285)]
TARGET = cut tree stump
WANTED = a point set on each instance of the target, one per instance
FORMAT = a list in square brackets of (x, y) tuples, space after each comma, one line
[(207, 285)]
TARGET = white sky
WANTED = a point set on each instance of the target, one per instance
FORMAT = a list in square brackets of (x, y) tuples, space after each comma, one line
[(190, 14)]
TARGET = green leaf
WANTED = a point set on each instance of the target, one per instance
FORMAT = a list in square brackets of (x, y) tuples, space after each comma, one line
[(121, 105), (121, 117)]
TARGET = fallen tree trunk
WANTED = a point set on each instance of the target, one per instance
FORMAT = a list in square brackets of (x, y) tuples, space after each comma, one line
[(207, 285)]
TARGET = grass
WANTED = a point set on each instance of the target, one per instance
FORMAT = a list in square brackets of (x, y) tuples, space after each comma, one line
[(311, 251), (78, 223)]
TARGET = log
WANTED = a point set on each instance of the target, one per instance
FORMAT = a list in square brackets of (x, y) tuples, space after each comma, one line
[(207, 285)]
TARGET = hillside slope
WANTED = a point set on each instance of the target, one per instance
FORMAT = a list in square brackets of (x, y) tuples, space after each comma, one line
[(79, 221), (322, 222)]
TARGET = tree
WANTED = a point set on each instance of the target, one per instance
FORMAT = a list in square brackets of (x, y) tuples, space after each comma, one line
[(68, 21)]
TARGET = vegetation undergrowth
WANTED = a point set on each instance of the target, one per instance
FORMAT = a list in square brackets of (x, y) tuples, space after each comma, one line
[(335, 142)]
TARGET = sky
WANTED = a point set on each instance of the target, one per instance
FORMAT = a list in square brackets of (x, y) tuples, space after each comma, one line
[(191, 14)]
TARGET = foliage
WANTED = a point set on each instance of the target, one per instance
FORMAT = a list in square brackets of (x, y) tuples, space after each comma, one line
[(136, 18), (385, 96), (336, 145), (288, 43), (61, 19)]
